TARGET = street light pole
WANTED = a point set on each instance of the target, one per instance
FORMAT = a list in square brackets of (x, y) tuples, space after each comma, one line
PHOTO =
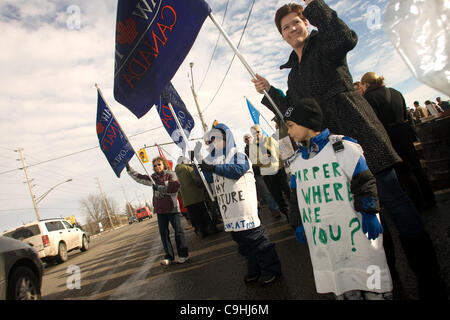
[(205, 127), (40, 198)]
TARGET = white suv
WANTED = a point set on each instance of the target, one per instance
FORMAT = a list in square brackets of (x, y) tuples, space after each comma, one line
[(52, 238)]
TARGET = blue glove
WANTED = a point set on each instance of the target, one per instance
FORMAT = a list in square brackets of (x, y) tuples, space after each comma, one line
[(371, 225), (300, 234)]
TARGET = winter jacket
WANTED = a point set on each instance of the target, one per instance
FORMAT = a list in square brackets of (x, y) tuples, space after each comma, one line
[(390, 107), (323, 74), (265, 155), (191, 189), (234, 185), (165, 199)]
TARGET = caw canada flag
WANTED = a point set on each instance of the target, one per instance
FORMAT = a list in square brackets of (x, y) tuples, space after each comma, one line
[(170, 95), (152, 39), (113, 141)]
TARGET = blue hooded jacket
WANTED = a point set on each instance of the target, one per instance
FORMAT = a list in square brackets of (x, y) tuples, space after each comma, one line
[(236, 166)]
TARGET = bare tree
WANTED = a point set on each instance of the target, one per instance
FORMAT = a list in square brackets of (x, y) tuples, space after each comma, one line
[(94, 209)]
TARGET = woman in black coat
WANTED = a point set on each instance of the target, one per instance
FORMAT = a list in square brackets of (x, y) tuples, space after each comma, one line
[(319, 70), (390, 107)]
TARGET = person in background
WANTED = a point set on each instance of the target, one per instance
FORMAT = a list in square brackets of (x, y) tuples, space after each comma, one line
[(193, 195), (420, 112), (261, 187), (433, 108), (390, 107), (445, 105), (166, 207), (358, 87), (264, 153)]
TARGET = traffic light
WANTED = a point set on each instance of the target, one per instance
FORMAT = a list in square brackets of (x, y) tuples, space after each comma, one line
[(143, 155)]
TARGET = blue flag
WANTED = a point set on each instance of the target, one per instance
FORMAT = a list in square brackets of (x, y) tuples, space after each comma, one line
[(170, 95), (152, 39), (253, 112), (113, 142), (255, 115)]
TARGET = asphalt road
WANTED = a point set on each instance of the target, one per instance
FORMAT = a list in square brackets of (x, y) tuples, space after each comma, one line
[(124, 264)]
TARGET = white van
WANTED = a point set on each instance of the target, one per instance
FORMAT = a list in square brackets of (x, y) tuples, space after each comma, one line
[(51, 238)]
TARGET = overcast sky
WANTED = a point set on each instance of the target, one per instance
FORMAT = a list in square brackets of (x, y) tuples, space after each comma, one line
[(53, 52)]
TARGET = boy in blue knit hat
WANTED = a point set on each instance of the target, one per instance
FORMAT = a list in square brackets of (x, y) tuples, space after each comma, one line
[(338, 206)]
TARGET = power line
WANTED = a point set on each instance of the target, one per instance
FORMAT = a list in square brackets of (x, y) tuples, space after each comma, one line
[(73, 153), (234, 55), (215, 47)]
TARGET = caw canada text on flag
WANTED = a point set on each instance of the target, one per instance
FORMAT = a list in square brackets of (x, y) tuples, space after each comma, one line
[(113, 141), (152, 39), (170, 95)]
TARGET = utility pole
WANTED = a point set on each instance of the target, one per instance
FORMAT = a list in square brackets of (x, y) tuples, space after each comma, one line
[(138, 199), (126, 198), (104, 201), (20, 150), (205, 127)]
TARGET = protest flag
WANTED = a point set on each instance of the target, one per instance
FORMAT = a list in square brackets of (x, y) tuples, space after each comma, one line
[(170, 95), (254, 113), (152, 40), (113, 141)]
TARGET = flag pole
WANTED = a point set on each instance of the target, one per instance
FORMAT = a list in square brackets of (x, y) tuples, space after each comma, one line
[(244, 62), (120, 127), (189, 150)]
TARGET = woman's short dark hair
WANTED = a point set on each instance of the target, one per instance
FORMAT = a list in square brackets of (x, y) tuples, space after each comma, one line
[(285, 10)]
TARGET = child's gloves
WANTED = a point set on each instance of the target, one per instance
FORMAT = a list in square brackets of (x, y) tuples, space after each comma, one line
[(300, 234), (371, 225)]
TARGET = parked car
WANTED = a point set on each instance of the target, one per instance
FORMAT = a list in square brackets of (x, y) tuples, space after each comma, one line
[(143, 213), (51, 238), (132, 219), (20, 271)]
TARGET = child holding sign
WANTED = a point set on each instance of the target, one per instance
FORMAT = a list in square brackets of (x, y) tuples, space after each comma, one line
[(234, 185), (337, 199)]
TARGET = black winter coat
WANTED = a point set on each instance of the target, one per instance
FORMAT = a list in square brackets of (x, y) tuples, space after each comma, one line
[(390, 107), (323, 74)]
